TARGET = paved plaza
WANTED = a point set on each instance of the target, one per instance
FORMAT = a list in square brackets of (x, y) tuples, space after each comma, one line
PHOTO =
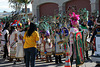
[(40, 63)]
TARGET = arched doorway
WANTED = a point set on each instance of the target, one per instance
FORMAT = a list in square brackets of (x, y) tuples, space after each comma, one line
[(48, 9), (79, 4)]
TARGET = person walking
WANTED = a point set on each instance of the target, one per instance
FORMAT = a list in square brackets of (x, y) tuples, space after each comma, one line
[(31, 36), (4, 41)]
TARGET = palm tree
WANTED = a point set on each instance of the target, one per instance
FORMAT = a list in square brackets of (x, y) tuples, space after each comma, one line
[(25, 2), (15, 5)]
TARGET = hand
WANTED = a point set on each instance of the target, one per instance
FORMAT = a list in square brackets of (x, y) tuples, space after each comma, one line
[(90, 42)]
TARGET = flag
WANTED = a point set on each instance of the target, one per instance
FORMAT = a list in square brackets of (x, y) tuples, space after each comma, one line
[(78, 39)]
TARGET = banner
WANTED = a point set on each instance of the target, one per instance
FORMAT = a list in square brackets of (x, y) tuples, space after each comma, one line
[(59, 48), (78, 38), (86, 45)]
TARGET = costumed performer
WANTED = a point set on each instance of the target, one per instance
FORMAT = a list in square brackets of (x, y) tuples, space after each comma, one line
[(13, 41), (58, 47), (19, 48), (74, 22), (48, 47)]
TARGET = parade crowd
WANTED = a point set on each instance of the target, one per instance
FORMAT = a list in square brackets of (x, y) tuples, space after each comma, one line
[(27, 40)]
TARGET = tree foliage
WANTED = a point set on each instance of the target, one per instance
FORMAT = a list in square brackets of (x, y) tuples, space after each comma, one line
[(15, 4), (24, 1)]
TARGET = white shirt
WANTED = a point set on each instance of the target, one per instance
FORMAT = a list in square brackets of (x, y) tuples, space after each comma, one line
[(3, 36)]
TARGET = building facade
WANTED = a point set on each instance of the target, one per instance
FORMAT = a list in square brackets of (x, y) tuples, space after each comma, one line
[(52, 7)]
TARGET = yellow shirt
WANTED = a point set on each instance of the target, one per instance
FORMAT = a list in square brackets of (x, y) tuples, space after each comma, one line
[(31, 41)]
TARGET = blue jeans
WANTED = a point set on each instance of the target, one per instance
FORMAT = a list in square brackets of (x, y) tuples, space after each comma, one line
[(30, 54)]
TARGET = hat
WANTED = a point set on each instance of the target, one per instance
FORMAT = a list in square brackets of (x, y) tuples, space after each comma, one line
[(19, 25), (47, 33), (74, 18), (14, 23)]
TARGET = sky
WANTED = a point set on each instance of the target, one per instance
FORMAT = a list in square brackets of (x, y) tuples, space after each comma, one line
[(4, 6)]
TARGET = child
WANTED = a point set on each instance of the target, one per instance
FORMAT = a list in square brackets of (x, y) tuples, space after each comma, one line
[(65, 39), (19, 48), (58, 47), (42, 44), (48, 47)]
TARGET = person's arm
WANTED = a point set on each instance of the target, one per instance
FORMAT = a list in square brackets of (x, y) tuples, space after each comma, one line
[(37, 36), (95, 32), (44, 46), (72, 34), (15, 39), (6, 40), (24, 38)]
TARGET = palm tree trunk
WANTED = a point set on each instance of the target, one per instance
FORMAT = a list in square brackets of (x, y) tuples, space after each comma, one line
[(16, 7), (25, 8)]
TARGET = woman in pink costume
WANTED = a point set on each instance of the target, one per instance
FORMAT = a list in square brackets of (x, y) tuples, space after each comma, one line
[(74, 22)]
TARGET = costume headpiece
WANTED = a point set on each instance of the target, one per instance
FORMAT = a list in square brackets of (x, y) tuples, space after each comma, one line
[(19, 24), (74, 18), (47, 33), (14, 23), (84, 14)]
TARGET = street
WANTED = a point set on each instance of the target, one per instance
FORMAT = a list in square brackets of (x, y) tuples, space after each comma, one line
[(39, 63)]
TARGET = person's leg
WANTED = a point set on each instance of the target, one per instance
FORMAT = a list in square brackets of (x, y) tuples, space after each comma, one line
[(47, 58), (24, 59), (60, 59), (27, 57), (71, 59), (56, 59), (92, 50), (72, 52), (50, 58), (33, 53), (7, 51), (87, 55), (4, 56), (37, 54)]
